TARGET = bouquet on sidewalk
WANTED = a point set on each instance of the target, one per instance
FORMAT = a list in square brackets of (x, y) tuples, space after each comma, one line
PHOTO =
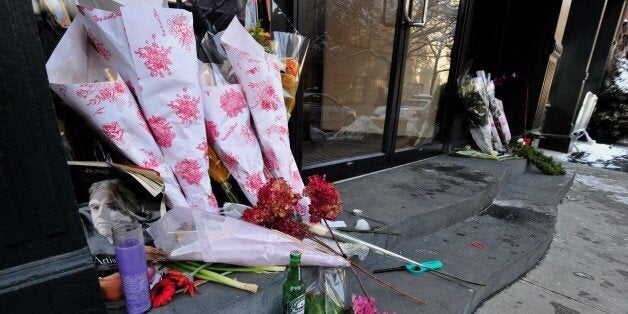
[(259, 75), (487, 120), (158, 110), (230, 132), (472, 92), (93, 88), (187, 234), (155, 48)]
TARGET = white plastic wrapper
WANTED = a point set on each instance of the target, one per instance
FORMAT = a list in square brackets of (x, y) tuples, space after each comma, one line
[(499, 124), (482, 135), (229, 131), (502, 120), (163, 51), (90, 86), (187, 234), (259, 74)]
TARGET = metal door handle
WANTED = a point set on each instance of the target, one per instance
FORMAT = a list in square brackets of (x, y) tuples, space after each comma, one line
[(406, 15)]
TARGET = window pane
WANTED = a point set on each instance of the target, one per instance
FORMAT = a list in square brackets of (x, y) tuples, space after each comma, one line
[(345, 77), (425, 73)]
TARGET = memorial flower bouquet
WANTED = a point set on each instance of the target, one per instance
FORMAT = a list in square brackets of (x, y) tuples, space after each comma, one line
[(276, 206), (472, 92)]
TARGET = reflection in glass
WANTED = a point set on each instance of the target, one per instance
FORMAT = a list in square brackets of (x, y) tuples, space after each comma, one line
[(345, 78), (425, 74)]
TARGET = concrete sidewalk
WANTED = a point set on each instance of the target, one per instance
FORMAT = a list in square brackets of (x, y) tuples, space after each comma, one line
[(586, 268)]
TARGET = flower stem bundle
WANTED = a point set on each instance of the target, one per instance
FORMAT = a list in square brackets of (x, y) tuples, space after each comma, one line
[(212, 276)]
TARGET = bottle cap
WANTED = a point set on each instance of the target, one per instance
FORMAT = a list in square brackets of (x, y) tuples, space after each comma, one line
[(295, 253)]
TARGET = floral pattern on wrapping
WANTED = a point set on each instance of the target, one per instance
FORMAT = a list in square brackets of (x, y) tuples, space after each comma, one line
[(280, 130), (204, 148), (267, 97), (270, 159), (254, 181), (241, 55), (186, 107), (295, 176), (230, 161), (247, 134), (82, 9), (212, 131), (232, 102), (157, 58), (99, 45), (162, 131), (151, 162), (181, 28), (189, 170), (97, 93), (141, 120), (113, 131)]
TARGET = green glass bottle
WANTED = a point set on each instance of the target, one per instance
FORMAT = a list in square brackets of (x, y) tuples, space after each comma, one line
[(294, 288)]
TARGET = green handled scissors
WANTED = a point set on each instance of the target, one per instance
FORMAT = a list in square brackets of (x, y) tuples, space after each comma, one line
[(413, 268), (428, 266)]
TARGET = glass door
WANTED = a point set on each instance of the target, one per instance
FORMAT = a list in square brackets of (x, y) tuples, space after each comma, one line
[(372, 81), (345, 78), (425, 74)]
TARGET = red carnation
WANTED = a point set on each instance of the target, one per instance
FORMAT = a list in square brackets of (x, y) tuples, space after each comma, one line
[(324, 198), (182, 282), (276, 198), (255, 216), (291, 227), (162, 292)]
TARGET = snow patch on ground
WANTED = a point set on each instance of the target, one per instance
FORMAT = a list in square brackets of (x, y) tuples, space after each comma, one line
[(617, 192), (606, 156)]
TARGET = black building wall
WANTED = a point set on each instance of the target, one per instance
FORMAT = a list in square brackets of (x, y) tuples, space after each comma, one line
[(514, 36), (581, 68), (44, 260)]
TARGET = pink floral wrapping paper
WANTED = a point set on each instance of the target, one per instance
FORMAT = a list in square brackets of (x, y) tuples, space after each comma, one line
[(164, 56), (106, 31), (258, 73), (229, 131), (77, 74)]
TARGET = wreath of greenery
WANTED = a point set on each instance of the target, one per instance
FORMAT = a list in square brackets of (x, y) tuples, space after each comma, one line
[(546, 164)]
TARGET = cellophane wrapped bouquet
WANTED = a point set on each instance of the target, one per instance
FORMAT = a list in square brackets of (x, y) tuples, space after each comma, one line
[(134, 75), (472, 92)]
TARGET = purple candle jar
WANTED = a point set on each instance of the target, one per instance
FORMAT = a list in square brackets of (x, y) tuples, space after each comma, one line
[(128, 241)]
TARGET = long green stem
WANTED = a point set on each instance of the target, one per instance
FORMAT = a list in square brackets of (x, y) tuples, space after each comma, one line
[(252, 269), (212, 276), (226, 186)]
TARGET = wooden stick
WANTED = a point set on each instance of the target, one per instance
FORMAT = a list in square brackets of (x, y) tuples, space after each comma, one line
[(345, 257), (403, 293)]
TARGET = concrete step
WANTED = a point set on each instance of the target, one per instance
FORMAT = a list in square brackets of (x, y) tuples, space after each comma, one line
[(495, 248), (425, 196), (439, 205)]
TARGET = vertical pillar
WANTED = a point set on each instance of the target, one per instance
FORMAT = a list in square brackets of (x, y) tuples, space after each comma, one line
[(587, 40)]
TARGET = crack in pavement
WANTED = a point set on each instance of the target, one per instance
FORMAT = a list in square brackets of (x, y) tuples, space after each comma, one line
[(563, 295)]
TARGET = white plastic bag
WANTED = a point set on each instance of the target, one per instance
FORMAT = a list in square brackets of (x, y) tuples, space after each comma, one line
[(187, 234)]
